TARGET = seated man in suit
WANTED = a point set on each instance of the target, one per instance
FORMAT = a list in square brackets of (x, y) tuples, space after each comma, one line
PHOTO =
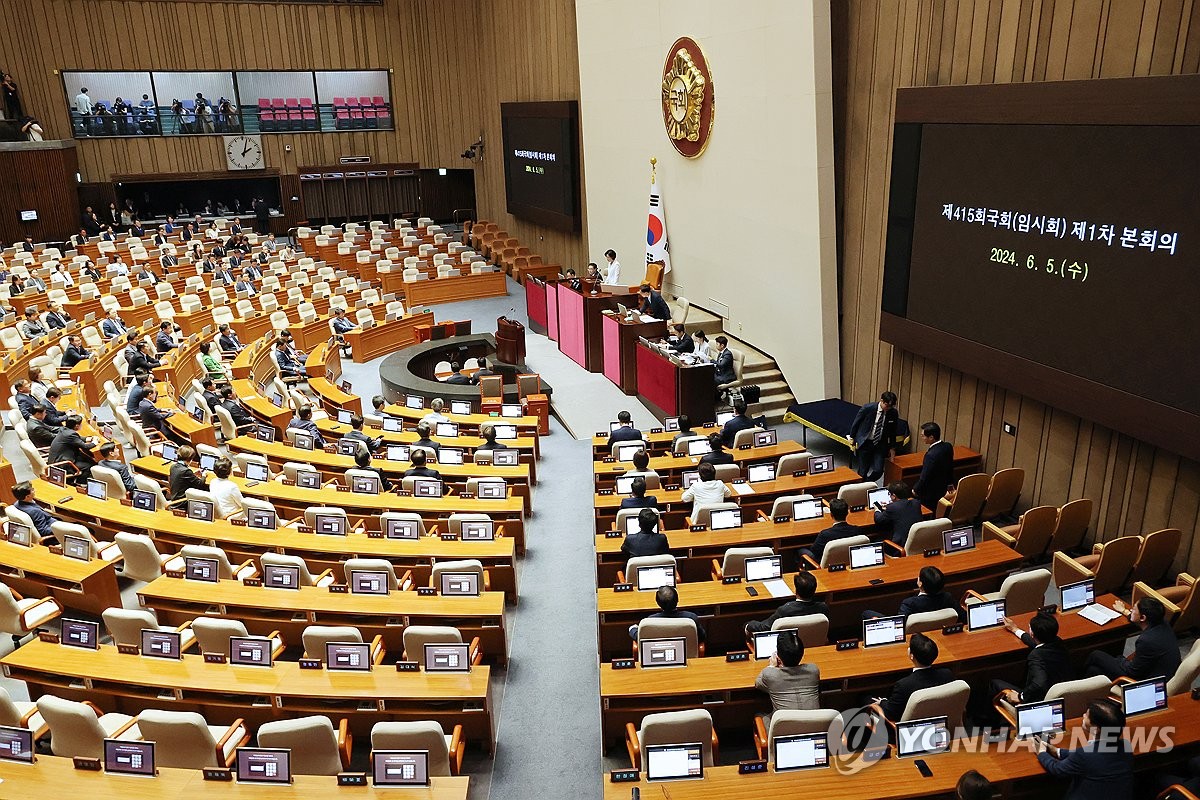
[(488, 432), (456, 375), (895, 519), (80, 238), (1103, 766), (113, 326), (211, 398), (1048, 661), (246, 284), (648, 541), (435, 414), (147, 274), (39, 431), (167, 261), (420, 468), (638, 497), (356, 434), (1155, 652), (228, 339), (739, 422), (339, 322), (937, 468), (229, 402), (32, 327), (717, 454), (24, 396), (804, 604), (931, 596), (53, 415), (724, 362), (182, 477), (151, 416), (68, 445), (685, 429), (840, 529), (484, 370), (74, 353), (303, 421), (667, 599), (42, 519), (140, 359), (626, 432), (653, 304), (362, 461), (425, 437), (108, 451), (164, 342), (289, 367), (679, 340), (923, 652), (56, 318), (140, 384), (791, 684)]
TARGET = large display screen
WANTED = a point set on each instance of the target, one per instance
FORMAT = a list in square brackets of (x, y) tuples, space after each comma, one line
[(541, 162), (1057, 258)]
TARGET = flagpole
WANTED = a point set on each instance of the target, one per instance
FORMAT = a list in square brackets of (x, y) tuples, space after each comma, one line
[(653, 169)]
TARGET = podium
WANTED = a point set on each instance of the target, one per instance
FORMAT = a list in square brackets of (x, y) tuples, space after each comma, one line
[(510, 341), (620, 347), (669, 388)]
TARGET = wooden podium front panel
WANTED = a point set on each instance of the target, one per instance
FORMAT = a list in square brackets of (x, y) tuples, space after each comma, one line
[(657, 381), (571, 338)]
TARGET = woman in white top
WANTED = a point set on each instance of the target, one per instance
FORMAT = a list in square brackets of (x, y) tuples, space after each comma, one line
[(707, 490), (614, 268), (225, 492), (700, 346)]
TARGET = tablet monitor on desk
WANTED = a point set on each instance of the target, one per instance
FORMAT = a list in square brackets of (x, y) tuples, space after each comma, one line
[(413, 401), (16, 744), (278, 576), (330, 524), (81, 633), (765, 644), (169, 451), (688, 477), (863, 556), (663, 652), (264, 433), (819, 465), (143, 500), (365, 484), (450, 455), (264, 765), (393, 424), (674, 762), (957, 540), (801, 751), (512, 410), (650, 579), (1144, 696), (302, 440), (257, 472), (344, 415), (766, 438), (981, 616), (427, 487), (348, 656), (763, 568), (460, 406), (491, 490), (725, 519), (883, 630), (345, 387), (250, 651), (206, 570), (202, 510), (262, 519), (277, 399), (757, 473), (308, 479), (807, 509), (505, 431), (919, 737), (400, 529), (698, 447), (400, 767), (56, 475), (459, 584), (446, 429), (626, 452), (126, 757), (368, 582), (77, 547), (671, 424), (505, 458), (349, 447), (97, 490), (878, 497), (625, 483), (452, 657), (1077, 595), (207, 461), (1046, 717), (398, 452), (725, 416), (162, 644), (483, 530), (20, 534)]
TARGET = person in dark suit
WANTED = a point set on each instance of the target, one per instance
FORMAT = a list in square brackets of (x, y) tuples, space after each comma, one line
[(420, 468), (56, 318), (717, 455), (107, 451), (145, 273), (1155, 653), (647, 541), (667, 599), (1048, 662), (923, 652), (937, 468), (874, 435), (840, 529), (685, 429), (1103, 766), (362, 461), (931, 596), (228, 340), (211, 398), (289, 367), (164, 342), (653, 304), (39, 431), (356, 434), (724, 363), (74, 353), (53, 415), (424, 437), (68, 445), (639, 498), (484, 370), (167, 261), (151, 416), (229, 402), (113, 326), (24, 397), (973, 786), (303, 421), (739, 422), (42, 519), (680, 341), (456, 376), (804, 604), (136, 392), (80, 238), (488, 432), (625, 433), (895, 519), (141, 360), (182, 477)]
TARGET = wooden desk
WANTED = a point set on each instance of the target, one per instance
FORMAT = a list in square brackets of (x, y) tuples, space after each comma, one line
[(727, 689), (36, 572), (453, 289), (727, 608), (670, 389), (52, 776), (620, 347), (289, 611), (674, 466), (658, 441), (387, 337), (907, 467), (224, 692)]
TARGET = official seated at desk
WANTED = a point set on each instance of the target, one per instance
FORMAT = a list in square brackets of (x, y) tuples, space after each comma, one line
[(739, 422), (839, 510), (241, 417), (209, 393), (716, 454), (419, 468), (287, 362), (667, 599), (1048, 661), (107, 452), (182, 477), (362, 463), (679, 341), (931, 596), (39, 431), (804, 604), (356, 434), (303, 421), (706, 491), (1103, 766), (456, 376), (896, 518), (154, 418), (228, 340), (791, 684), (685, 429), (74, 352), (70, 447), (1155, 651), (27, 504), (638, 497), (648, 541), (425, 438), (488, 432), (226, 494), (923, 652), (625, 431)]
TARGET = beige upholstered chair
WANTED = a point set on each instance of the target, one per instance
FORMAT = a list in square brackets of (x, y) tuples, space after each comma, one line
[(930, 620), (948, 700), (445, 752), (794, 723), (838, 551), (639, 562), (672, 727), (922, 536), (1156, 555), (660, 628), (417, 636), (1108, 565), (125, 626), (704, 512), (465, 565), (1076, 696), (969, 495), (734, 562), (213, 634), (855, 494), (315, 637), (142, 562), (1022, 592), (20, 616), (1031, 535), (1004, 490), (317, 747), (184, 739), (306, 578), (1072, 525), (79, 729), (811, 629), (21, 714)]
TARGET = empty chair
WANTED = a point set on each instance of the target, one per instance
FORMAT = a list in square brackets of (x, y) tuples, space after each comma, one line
[(613, 450), (1022, 592), (1108, 565), (445, 752), (417, 636), (305, 578), (142, 561), (311, 513), (727, 472), (745, 436), (213, 633), (315, 637), (125, 626), (855, 494), (922, 536), (811, 629), (782, 506), (734, 562), (1004, 490), (148, 484), (317, 748), (20, 616), (79, 729), (464, 565), (377, 565), (704, 512), (184, 739), (21, 714), (225, 570), (794, 723), (967, 501), (105, 551), (1156, 555), (1030, 535), (1072, 525), (629, 574), (1189, 670), (672, 727)]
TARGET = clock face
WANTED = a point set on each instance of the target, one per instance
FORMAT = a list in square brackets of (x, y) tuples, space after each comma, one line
[(244, 152)]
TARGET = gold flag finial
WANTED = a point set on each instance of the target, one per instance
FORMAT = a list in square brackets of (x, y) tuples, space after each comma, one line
[(653, 168)]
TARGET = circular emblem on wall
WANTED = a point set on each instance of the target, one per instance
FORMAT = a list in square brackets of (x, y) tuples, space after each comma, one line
[(687, 98)]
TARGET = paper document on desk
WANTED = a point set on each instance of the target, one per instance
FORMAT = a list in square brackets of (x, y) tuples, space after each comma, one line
[(742, 488), (778, 588), (648, 318), (1098, 614)]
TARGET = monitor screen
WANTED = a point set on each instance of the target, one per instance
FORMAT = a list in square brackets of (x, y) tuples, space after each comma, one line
[(688, 477), (427, 487), (483, 530), (162, 644), (757, 473), (459, 584), (365, 484), (626, 452), (878, 497), (802, 751), (981, 616), (393, 424), (491, 490), (80, 633), (345, 386), (883, 630), (866, 555), (201, 510), (663, 652), (921, 736), (1077, 595), (348, 447), (198, 413), (257, 472), (276, 399), (279, 576), (350, 656), (56, 475), (725, 416), (766, 438), (765, 643), (307, 479), (671, 424), (540, 146), (613, 427), (196, 568), (330, 524), (452, 657), (143, 500), (763, 568), (450, 455), (725, 518), (344, 415), (16, 744), (820, 464), (415, 402), (400, 528), (1045, 717), (807, 509), (649, 579), (400, 767), (505, 431), (77, 547), (673, 762), (511, 410), (20, 534), (957, 540), (302, 440), (97, 490), (262, 765), (698, 447), (460, 407), (169, 451), (128, 758), (633, 525), (625, 484), (264, 433), (207, 461), (505, 457), (367, 582), (1144, 696), (250, 651), (447, 429), (263, 519), (398, 452)]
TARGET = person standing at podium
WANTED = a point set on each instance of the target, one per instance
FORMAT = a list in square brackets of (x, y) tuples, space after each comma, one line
[(613, 275)]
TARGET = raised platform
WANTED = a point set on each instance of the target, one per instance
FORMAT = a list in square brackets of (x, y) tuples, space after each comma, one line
[(411, 370)]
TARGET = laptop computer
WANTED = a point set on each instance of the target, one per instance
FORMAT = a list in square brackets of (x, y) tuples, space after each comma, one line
[(725, 416), (365, 484), (415, 402), (626, 452), (807, 509), (505, 457), (446, 429), (77, 547), (511, 410), (725, 519), (460, 407), (491, 490), (671, 424), (757, 473), (257, 472), (393, 424), (201, 510), (330, 524), (764, 643), (262, 519), (699, 447), (450, 455), (483, 530), (398, 452), (427, 487), (97, 490), (878, 497), (308, 479), (1077, 595), (143, 500)]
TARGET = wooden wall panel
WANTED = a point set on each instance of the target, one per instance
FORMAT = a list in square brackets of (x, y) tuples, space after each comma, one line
[(40, 179), (882, 45)]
